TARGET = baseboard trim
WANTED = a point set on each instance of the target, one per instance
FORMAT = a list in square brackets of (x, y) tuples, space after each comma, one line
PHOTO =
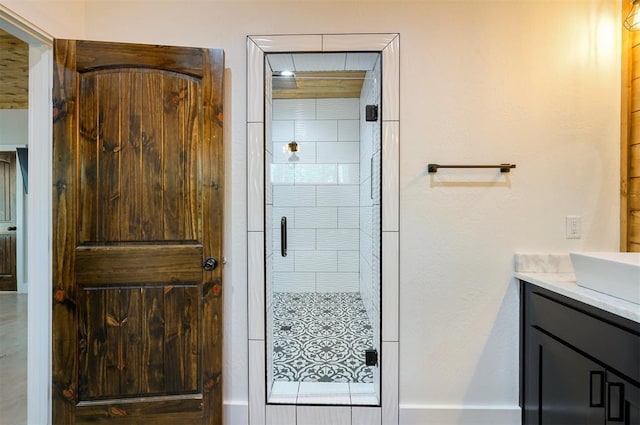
[(459, 415), (236, 412)]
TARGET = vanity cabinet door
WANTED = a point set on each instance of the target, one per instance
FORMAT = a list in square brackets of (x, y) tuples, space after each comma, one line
[(623, 401), (571, 387)]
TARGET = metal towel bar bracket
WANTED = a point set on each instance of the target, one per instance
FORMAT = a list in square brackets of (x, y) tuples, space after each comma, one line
[(504, 168)]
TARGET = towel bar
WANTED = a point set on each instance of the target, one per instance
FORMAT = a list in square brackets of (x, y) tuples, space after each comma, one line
[(504, 168)]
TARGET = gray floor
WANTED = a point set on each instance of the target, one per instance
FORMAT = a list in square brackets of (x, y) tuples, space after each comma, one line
[(321, 337), (13, 359)]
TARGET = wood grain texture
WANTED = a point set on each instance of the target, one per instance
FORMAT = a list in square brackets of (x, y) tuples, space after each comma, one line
[(114, 362), (138, 207), (92, 55), (8, 281), (139, 156), (7, 190), (14, 72), (316, 85), (148, 264), (8, 263), (65, 325), (212, 222), (630, 140), (135, 411)]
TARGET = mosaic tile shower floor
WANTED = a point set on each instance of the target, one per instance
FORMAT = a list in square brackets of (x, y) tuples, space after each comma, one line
[(321, 337)]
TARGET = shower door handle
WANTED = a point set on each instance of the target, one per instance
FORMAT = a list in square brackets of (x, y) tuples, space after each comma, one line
[(283, 236)]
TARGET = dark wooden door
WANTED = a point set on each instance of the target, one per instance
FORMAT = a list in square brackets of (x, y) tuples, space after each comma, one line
[(7, 221), (137, 197)]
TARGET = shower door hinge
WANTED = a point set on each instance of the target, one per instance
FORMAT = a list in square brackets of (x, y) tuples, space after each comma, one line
[(371, 357), (371, 112)]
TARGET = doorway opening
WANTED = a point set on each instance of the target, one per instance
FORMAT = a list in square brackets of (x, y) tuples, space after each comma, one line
[(323, 231), (35, 332), (13, 226), (262, 407)]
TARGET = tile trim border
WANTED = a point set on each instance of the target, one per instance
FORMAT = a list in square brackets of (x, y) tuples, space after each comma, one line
[(389, 45)]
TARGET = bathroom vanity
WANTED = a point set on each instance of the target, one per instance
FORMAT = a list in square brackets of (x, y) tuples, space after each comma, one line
[(579, 354)]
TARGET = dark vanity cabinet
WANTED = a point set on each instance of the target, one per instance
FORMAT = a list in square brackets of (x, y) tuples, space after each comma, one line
[(580, 365)]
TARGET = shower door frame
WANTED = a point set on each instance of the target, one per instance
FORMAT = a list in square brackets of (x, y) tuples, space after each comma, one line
[(261, 413)]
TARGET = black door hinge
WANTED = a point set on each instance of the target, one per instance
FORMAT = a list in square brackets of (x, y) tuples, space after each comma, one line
[(371, 112), (371, 357)]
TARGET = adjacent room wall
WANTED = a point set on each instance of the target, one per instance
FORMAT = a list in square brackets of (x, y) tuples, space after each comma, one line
[(533, 82), (13, 127)]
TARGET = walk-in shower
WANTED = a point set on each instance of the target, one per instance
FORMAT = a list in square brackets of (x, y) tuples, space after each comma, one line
[(322, 244)]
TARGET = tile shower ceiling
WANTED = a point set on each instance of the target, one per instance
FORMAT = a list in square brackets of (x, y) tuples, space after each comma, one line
[(321, 337)]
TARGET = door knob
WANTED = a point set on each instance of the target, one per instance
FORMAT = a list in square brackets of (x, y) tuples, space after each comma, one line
[(12, 228), (210, 264)]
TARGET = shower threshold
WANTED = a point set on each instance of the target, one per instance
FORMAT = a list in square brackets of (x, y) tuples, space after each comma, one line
[(329, 393)]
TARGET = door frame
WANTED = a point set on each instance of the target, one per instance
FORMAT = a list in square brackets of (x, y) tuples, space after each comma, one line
[(257, 46), (39, 212)]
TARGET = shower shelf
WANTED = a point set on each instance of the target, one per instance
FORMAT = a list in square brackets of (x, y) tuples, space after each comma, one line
[(504, 168)]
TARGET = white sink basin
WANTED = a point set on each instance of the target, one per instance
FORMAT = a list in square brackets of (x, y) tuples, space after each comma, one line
[(612, 273)]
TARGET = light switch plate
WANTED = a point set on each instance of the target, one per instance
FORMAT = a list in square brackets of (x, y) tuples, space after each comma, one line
[(573, 227)]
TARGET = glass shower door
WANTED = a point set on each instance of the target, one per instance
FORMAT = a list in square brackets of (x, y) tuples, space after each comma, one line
[(323, 243)]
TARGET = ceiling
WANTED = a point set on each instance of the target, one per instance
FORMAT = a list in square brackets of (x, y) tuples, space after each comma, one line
[(14, 72), (320, 75)]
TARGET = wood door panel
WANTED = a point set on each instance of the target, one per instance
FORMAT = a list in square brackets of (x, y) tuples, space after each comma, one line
[(65, 324), (8, 281), (134, 411), (95, 55), (137, 323), (88, 162), (139, 157), (7, 188), (131, 169), (126, 265), (7, 263), (108, 167), (136, 344)]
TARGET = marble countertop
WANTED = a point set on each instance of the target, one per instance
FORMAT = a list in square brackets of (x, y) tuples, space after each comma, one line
[(557, 275)]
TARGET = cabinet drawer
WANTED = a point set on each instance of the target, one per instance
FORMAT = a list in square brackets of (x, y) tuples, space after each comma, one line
[(617, 347)]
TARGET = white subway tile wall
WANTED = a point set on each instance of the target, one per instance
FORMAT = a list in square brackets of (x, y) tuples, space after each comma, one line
[(316, 218), (348, 130), (282, 131), (316, 131), (349, 217), (300, 109), (318, 191), (338, 152), (337, 196), (348, 261)]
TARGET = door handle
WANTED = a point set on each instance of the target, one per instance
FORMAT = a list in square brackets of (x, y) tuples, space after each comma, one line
[(596, 389), (615, 402), (210, 264), (12, 228), (283, 236)]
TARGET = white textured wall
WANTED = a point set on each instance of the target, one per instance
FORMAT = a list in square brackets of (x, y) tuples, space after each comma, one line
[(60, 18), (533, 82)]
